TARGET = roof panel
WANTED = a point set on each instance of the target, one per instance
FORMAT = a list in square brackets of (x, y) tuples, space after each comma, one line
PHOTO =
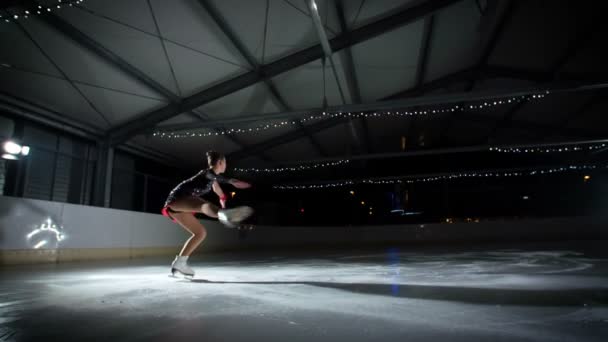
[(327, 13), (361, 12), (247, 23), (133, 46), (288, 31), (134, 12), (80, 64), (180, 119), (252, 100), (187, 22), (383, 71), (303, 87), (455, 37), (195, 71), (117, 107), (50, 93), (23, 53)]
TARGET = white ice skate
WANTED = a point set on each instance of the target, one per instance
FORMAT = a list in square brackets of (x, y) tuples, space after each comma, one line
[(180, 266), (232, 218)]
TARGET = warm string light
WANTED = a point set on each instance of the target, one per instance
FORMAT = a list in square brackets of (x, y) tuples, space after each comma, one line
[(547, 149), (325, 115), (438, 178), (293, 168), (39, 10)]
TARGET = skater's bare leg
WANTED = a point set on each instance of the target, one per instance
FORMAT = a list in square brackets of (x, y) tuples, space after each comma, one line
[(185, 207), (192, 225), (197, 205)]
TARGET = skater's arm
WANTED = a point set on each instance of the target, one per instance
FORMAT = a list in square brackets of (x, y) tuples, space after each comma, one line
[(220, 193), (239, 184)]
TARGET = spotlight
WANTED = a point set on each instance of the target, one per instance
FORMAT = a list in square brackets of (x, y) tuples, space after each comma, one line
[(12, 148), (9, 156), (587, 178), (352, 192)]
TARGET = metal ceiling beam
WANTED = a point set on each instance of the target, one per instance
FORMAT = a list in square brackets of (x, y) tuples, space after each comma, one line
[(221, 22), (423, 54), (489, 72), (351, 75), (430, 100), (36, 113), (442, 82), (493, 39), (401, 18), (421, 68), (486, 48), (316, 19), (203, 117), (321, 125), (234, 39), (24, 109), (282, 139)]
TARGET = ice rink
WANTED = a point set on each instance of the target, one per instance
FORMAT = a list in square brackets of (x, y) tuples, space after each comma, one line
[(536, 293)]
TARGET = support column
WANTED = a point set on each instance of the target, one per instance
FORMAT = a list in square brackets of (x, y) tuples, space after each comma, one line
[(103, 174)]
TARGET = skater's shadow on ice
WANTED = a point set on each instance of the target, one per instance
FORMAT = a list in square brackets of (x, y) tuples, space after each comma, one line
[(539, 297)]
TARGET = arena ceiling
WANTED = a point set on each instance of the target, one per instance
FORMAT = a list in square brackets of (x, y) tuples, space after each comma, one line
[(120, 71)]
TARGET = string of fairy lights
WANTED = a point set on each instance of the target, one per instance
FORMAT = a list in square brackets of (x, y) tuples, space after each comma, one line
[(580, 147), (352, 115), (293, 168), (40, 9), (548, 149), (460, 175)]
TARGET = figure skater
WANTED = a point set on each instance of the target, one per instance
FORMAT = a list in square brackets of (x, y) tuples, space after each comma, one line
[(185, 200)]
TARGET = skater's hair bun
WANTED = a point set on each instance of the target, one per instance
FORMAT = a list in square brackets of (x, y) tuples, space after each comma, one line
[(213, 158)]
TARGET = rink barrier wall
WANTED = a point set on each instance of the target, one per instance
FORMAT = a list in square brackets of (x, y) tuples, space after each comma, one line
[(95, 233)]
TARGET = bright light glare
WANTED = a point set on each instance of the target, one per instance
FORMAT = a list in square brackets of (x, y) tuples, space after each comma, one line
[(12, 148), (47, 226), (40, 244)]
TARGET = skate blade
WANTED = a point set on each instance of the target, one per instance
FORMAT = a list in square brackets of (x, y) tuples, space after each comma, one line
[(179, 275)]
